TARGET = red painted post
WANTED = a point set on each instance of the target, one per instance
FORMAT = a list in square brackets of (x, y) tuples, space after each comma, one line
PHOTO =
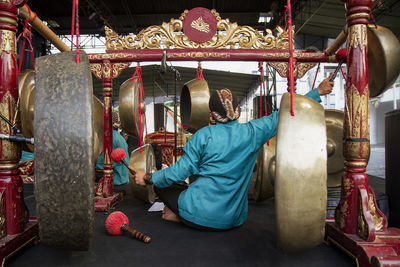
[(352, 214), (108, 187), (10, 152)]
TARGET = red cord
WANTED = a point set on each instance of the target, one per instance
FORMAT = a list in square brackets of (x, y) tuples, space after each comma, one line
[(26, 33), (199, 74), (73, 24), (291, 76), (77, 31), (75, 27), (344, 76)]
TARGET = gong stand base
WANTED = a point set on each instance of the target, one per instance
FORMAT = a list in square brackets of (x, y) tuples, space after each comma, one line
[(106, 203), (11, 244), (383, 251)]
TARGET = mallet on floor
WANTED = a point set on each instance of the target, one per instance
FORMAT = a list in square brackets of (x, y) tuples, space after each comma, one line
[(119, 155), (117, 222)]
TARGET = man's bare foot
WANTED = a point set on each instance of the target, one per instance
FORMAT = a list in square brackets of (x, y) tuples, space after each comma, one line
[(169, 215)]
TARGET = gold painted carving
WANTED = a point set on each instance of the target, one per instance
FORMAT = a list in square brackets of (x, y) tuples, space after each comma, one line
[(96, 70), (118, 68), (7, 42), (356, 125), (362, 229), (111, 56), (6, 1), (170, 35), (200, 25), (198, 55), (358, 36), (299, 68), (105, 70), (378, 221), (10, 150)]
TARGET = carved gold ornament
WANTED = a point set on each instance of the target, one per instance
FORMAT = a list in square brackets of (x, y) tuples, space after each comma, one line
[(170, 35), (7, 43), (358, 36), (378, 221), (299, 68), (356, 111), (104, 70), (200, 25)]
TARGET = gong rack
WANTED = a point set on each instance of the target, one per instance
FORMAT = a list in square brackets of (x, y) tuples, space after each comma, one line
[(359, 226)]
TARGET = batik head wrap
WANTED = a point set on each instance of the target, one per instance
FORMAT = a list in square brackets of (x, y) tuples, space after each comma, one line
[(224, 106)]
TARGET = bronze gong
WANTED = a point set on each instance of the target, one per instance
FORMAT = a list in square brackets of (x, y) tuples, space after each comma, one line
[(26, 87), (264, 184), (383, 59), (64, 167), (334, 147), (195, 113), (145, 161), (301, 173), (131, 108)]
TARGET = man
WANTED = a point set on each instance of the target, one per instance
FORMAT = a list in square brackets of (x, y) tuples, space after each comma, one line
[(223, 157)]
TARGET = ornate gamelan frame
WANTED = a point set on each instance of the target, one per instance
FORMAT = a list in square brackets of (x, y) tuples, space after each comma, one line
[(360, 229)]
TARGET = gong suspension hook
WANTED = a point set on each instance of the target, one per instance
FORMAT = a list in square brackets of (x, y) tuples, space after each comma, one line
[(18, 137)]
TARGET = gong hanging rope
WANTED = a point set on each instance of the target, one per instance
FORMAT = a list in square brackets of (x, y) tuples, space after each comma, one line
[(26, 33), (75, 27), (288, 18), (199, 73)]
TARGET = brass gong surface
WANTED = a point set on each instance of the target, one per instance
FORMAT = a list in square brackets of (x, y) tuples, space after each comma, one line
[(26, 89), (131, 108), (383, 59), (264, 186), (145, 161), (334, 131), (98, 124), (195, 113), (301, 173)]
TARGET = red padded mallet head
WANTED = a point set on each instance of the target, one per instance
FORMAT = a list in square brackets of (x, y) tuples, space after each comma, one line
[(117, 222), (118, 155)]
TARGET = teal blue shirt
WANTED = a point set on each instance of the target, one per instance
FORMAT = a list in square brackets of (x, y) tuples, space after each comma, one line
[(120, 172), (223, 157)]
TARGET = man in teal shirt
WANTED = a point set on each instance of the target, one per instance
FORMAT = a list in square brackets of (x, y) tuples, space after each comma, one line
[(222, 156)]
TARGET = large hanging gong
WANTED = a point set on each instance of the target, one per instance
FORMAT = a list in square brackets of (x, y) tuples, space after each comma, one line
[(131, 108), (300, 184), (145, 161), (383, 59), (195, 113), (26, 89), (264, 184), (63, 130), (334, 131)]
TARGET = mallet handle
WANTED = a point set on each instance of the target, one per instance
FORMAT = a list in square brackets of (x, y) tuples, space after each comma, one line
[(138, 235), (336, 71), (126, 164)]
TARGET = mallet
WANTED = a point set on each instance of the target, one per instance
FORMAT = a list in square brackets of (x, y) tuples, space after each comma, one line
[(117, 222), (118, 155)]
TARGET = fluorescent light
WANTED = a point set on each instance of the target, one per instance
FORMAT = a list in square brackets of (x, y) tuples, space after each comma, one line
[(265, 17)]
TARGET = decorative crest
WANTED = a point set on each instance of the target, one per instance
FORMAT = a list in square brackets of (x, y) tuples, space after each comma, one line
[(170, 35)]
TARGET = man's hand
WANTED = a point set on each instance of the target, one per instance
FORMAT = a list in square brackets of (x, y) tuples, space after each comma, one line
[(326, 86), (139, 177)]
